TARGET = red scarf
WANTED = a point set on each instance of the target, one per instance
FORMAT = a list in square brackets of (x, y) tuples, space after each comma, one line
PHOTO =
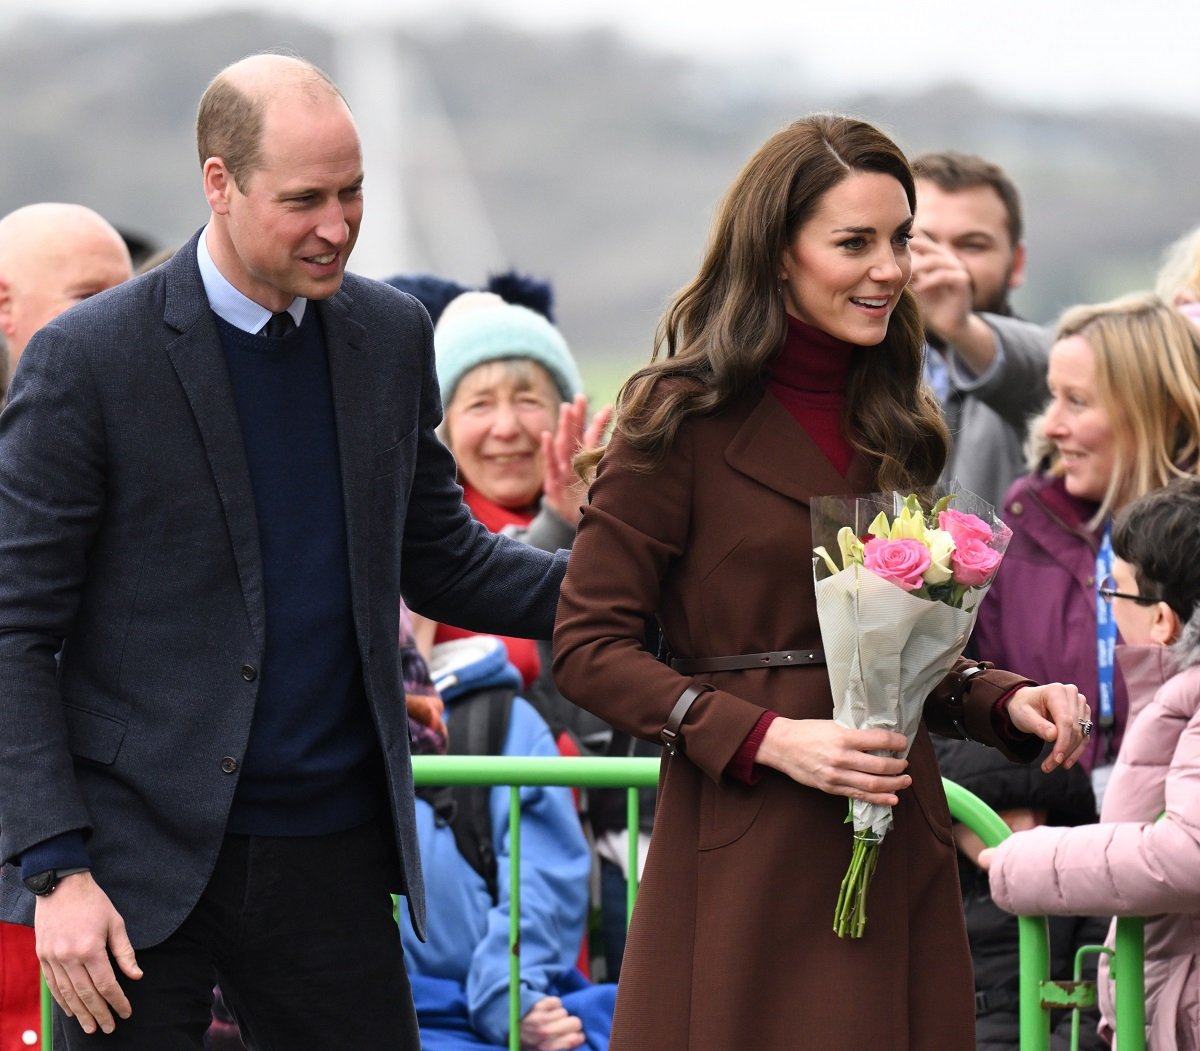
[(522, 652)]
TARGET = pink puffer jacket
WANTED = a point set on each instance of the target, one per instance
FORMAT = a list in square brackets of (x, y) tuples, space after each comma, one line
[(1133, 863)]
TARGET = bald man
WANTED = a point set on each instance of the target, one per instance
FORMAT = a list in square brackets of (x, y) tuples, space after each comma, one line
[(212, 481), (53, 256)]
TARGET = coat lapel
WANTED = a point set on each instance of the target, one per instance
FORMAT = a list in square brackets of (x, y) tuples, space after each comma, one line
[(199, 363), (775, 450)]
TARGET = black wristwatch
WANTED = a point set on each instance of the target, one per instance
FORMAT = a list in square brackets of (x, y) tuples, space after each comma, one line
[(42, 883)]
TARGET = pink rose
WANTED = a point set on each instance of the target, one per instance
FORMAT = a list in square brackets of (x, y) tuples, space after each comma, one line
[(973, 562), (903, 562), (964, 527)]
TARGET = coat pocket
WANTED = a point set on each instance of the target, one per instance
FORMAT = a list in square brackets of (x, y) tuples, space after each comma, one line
[(727, 810), (93, 736)]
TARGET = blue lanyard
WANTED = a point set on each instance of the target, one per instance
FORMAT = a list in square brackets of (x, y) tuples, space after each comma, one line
[(1106, 633)]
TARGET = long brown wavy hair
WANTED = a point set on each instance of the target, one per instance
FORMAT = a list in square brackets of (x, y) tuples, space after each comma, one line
[(726, 325)]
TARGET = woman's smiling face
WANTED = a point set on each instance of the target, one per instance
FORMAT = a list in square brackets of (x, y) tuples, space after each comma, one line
[(1077, 421), (494, 424), (848, 263)]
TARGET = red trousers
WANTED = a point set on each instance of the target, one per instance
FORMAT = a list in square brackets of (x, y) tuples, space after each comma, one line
[(20, 995)]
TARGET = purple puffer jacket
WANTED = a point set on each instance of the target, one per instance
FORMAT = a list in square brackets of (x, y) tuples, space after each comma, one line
[(1039, 618), (1133, 863)]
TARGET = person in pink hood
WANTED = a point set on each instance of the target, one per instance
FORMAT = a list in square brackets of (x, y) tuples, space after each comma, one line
[(1143, 858)]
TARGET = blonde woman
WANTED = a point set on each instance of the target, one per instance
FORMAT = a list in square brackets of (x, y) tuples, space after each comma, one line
[(1123, 419)]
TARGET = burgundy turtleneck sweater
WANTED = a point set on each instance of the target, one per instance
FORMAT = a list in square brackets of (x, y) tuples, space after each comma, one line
[(808, 377)]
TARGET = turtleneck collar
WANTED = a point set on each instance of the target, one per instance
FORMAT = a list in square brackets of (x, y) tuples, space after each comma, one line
[(808, 377), (811, 360)]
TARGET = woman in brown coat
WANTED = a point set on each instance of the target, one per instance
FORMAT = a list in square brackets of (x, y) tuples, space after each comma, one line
[(792, 370)]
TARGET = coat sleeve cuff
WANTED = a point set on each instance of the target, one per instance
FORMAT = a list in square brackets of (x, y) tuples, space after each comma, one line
[(974, 705)]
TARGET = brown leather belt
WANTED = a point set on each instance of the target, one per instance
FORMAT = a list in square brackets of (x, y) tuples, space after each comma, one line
[(742, 661)]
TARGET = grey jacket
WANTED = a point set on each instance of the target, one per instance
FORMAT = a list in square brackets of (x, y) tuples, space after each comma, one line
[(128, 539), (988, 416)]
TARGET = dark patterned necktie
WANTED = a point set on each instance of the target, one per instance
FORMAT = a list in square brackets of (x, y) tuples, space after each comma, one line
[(279, 325)]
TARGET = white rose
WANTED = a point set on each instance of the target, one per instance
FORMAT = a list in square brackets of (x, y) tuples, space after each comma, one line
[(941, 546)]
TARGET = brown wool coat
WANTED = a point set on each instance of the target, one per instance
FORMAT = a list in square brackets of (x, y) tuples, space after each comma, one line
[(732, 944)]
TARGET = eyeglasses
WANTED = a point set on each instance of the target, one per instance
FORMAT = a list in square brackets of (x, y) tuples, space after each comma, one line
[(1108, 592)]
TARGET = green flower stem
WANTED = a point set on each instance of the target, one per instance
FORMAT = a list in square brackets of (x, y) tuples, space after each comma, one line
[(850, 913)]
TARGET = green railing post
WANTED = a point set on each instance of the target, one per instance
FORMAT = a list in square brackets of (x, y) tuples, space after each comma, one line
[(633, 833), (47, 1018), (1129, 975), (1034, 951), (514, 918)]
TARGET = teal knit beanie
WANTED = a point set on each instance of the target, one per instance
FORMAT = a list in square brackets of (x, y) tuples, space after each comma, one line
[(479, 327)]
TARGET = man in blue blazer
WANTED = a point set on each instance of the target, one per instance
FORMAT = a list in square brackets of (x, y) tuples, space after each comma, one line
[(215, 482)]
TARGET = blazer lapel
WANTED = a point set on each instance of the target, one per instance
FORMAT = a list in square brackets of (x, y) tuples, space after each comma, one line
[(350, 376), (200, 365), (775, 450)]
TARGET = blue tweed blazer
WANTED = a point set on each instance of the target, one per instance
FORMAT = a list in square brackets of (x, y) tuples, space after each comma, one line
[(131, 591)]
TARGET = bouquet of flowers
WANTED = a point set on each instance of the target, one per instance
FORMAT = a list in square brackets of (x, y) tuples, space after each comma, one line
[(895, 615)]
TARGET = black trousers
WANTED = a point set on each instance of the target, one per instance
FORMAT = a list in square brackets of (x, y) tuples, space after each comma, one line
[(300, 935)]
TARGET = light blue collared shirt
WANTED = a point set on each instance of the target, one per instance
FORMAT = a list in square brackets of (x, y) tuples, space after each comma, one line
[(945, 371), (228, 303)]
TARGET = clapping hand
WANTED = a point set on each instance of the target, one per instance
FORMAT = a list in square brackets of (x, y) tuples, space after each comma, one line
[(563, 491)]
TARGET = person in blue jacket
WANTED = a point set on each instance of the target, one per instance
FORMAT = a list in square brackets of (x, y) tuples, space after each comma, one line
[(460, 975)]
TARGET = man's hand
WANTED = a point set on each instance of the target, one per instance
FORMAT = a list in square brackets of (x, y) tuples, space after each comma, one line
[(946, 297), (943, 288), (76, 928), (548, 1027), (1055, 712), (562, 489)]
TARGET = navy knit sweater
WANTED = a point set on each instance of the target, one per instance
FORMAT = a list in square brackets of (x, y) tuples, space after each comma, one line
[(313, 758)]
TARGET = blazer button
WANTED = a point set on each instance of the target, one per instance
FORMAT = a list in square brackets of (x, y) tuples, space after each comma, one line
[(229, 765), (249, 672)]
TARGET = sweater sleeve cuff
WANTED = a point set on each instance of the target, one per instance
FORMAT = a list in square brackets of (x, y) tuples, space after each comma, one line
[(64, 851), (1002, 724), (741, 767)]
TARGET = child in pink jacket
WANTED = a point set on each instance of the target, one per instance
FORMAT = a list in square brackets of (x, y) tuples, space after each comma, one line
[(1143, 859)]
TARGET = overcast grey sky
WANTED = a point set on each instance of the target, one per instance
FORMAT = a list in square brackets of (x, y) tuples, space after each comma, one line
[(1074, 53)]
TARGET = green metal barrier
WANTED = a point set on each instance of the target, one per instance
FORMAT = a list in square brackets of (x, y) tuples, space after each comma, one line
[(1037, 991), (516, 772)]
